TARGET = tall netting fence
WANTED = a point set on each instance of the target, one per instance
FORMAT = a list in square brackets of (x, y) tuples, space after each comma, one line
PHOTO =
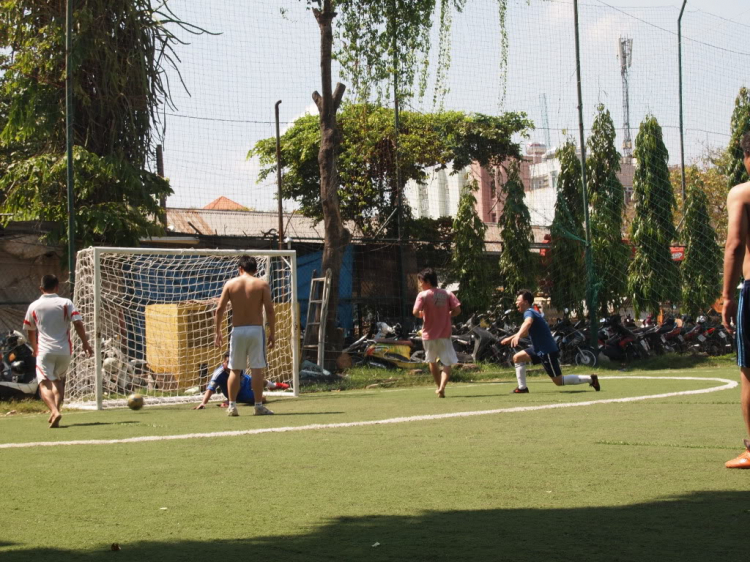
[(653, 241)]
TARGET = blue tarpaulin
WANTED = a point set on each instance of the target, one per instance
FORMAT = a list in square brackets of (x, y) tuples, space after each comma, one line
[(312, 262)]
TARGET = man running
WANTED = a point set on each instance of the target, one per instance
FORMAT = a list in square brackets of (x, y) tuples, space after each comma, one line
[(48, 325), (544, 349), (249, 296), (736, 260)]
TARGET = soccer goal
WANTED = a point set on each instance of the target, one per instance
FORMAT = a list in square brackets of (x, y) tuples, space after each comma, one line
[(149, 315)]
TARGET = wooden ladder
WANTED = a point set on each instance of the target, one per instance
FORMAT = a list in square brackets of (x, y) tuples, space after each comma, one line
[(317, 313)]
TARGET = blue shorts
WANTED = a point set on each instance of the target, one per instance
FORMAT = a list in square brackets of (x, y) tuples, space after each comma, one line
[(743, 326), (550, 361)]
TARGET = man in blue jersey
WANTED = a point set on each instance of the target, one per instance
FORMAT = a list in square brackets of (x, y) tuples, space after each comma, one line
[(220, 381), (543, 350)]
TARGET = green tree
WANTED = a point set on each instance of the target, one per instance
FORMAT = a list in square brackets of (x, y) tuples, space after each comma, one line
[(735, 169), (517, 263), (606, 202), (701, 268), (476, 282), (653, 277), (567, 272), (366, 156), (117, 99)]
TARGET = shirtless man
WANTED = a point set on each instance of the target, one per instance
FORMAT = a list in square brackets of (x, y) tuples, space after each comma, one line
[(247, 343), (736, 260), (48, 325)]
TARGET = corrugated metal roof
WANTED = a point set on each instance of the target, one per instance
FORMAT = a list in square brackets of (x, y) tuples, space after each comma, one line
[(240, 223)]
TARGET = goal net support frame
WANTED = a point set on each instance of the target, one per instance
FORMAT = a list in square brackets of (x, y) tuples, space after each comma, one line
[(149, 315)]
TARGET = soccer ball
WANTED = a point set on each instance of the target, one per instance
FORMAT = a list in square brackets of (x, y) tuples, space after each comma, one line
[(110, 364), (135, 401)]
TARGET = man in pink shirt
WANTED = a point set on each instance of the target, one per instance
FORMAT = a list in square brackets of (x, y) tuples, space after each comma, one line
[(48, 322), (436, 307)]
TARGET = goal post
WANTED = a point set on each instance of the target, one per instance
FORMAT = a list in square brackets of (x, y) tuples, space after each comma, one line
[(149, 315)]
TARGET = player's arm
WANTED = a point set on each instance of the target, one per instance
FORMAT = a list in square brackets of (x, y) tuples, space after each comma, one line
[(734, 252), (418, 310), (456, 311), (270, 316), (81, 331), (219, 317), (206, 397), (521, 333), (33, 341)]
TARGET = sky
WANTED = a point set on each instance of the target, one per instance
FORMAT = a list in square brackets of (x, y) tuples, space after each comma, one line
[(260, 55)]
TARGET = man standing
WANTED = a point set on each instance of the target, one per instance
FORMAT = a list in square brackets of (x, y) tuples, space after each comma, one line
[(736, 260), (249, 296), (48, 325), (544, 349), (436, 307)]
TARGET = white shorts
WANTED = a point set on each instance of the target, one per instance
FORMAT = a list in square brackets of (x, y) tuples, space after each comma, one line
[(52, 367), (440, 349), (247, 348)]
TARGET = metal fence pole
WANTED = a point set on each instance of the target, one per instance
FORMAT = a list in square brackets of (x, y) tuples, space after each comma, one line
[(682, 131), (590, 289), (69, 141)]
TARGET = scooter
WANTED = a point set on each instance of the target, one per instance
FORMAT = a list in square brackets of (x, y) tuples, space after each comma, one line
[(18, 375)]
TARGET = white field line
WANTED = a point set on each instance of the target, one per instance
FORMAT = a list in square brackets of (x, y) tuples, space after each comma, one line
[(728, 384)]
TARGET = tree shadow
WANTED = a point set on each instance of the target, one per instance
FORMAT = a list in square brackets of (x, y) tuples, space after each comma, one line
[(98, 423), (701, 526)]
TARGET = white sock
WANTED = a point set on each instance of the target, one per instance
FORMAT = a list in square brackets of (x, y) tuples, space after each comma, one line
[(259, 404), (521, 375), (576, 379), (232, 404), (270, 385)]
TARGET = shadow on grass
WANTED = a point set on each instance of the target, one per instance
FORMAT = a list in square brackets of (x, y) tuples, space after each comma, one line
[(99, 423), (697, 527)]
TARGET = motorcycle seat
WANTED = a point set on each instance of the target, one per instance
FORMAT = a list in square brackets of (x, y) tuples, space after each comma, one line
[(392, 342)]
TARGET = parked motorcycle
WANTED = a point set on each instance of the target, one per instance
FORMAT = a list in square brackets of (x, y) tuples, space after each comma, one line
[(18, 375)]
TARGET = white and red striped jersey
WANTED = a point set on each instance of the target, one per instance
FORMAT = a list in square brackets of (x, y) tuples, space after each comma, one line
[(51, 316)]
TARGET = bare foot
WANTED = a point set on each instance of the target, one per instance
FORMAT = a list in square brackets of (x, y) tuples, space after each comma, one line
[(49, 419), (440, 392), (55, 421)]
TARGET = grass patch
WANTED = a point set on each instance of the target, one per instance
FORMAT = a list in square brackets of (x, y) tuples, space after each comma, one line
[(628, 481), (22, 406)]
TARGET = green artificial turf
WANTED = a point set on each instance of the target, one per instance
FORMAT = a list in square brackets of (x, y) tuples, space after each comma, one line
[(620, 481)]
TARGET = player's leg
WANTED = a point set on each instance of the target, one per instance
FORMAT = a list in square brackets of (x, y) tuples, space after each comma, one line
[(551, 364), (448, 358), (48, 397), (238, 349), (520, 360), (62, 362), (743, 460), (45, 372), (258, 364), (431, 354)]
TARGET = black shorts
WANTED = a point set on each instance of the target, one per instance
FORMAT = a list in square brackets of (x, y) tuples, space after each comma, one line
[(743, 326), (551, 361)]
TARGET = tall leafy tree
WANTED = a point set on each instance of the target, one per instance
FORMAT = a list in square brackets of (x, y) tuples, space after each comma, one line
[(517, 263), (606, 202), (382, 41), (653, 277), (468, 265), (365, 158), (567, 273), (120, 53), (701, 268), (735, 169)]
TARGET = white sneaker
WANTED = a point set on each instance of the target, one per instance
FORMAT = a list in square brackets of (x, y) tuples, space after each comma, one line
[(232, 411), (263, 411)]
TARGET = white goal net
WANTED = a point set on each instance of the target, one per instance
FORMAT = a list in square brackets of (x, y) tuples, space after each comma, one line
[(149, 315)]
